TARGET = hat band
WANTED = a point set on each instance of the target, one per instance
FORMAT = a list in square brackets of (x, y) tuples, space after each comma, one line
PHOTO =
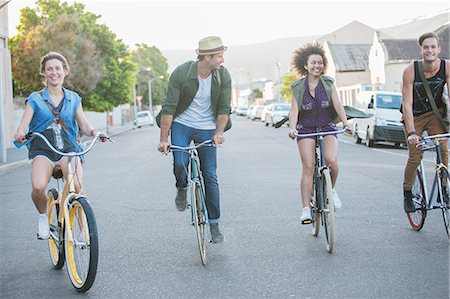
[(219, 49)]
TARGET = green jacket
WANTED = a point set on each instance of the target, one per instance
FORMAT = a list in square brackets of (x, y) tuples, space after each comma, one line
[(183, 86), (298, 90)]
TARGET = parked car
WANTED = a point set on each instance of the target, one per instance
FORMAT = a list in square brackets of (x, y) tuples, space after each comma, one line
[(144, 118), (384, 124), (263, 113), (249, 110), (276, 112), (256, 112), (241, 110)]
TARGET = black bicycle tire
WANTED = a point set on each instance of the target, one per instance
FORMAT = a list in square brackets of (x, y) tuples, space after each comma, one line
[(198, 223), (444, 206), (417, 219), (315, 209), (328, 209)]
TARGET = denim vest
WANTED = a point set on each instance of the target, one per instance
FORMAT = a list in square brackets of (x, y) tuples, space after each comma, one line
[(43, 117)]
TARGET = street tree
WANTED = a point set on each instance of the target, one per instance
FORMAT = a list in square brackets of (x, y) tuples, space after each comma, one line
[(286, 91), (151, 66), (101, 71)]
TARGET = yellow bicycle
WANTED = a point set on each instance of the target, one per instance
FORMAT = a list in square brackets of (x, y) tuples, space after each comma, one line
[(73, 229)]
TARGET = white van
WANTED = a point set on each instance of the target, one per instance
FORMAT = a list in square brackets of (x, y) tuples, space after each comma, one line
[(384, 124)]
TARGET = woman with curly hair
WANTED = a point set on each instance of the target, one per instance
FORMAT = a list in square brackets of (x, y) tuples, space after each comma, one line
[(315, 105)]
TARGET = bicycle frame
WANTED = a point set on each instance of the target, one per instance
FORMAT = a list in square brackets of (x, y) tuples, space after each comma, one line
[(437, 183), (195, 177), (322, 203), (438, 197), (68, 192), (195, 183)]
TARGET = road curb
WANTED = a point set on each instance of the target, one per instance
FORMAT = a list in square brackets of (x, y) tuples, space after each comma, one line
[(13, 165)]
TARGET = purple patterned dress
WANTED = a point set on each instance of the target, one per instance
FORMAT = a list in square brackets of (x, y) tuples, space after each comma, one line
[(316, 113)]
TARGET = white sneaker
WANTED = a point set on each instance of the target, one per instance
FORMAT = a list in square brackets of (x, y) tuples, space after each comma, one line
[(306, 216), (337, 201), (43, 227)]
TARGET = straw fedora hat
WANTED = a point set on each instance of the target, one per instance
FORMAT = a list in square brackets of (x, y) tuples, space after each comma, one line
[(210, 45)]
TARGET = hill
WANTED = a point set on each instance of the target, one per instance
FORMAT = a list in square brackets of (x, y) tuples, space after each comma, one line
[(268, 60)]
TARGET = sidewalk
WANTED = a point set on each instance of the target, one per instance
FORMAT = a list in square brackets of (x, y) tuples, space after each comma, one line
[(16, 157)]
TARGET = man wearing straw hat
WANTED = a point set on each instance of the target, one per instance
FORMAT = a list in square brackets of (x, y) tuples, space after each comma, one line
[(197, 108)]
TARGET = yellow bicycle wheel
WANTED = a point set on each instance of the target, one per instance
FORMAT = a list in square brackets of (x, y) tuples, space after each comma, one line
[(55, 241), (81, 244)]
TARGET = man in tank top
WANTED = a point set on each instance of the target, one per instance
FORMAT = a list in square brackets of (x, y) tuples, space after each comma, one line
[(417, 111)]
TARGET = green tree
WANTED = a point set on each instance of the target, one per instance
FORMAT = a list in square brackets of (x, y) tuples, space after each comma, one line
[(286, 91), (101, 71), (150, 64), (256, 93)]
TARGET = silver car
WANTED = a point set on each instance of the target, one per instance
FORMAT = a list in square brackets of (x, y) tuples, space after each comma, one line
[(276, 112)]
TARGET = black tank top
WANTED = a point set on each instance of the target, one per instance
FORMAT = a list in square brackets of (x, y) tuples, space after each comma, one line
[(421, 104)]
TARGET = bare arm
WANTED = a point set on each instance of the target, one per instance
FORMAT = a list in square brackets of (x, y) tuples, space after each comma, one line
[(407, 102), (24, 123), (83, 123), (293, 118), (165, 124), (447, 76), (338, 107), (221, 122)]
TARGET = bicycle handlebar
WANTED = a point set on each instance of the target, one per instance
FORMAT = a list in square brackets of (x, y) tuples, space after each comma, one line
[(31, 135), (322, 133), (208, 142), (429, 141)]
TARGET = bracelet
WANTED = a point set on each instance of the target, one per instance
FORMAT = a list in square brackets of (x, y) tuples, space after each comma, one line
[(411, 133)]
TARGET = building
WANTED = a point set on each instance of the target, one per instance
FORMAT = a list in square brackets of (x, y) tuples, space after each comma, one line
[(377, 65), (6, 93)]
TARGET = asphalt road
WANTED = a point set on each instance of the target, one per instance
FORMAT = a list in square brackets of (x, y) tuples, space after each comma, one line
[(148, 249)]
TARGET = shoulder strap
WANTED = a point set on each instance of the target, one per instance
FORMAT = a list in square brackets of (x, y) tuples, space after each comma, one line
[(55, 113), (429, 95)]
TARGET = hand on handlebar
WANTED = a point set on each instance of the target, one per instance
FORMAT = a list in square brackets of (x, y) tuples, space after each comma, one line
[(413, 139), (348, 131), (103, 137), (292, 133), (163, 147), (218, 139), (20, 138)]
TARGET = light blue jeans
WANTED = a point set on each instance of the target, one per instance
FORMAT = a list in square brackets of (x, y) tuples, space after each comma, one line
[(182, 135)]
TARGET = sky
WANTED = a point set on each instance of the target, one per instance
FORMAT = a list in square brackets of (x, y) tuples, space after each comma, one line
[(181, 24)]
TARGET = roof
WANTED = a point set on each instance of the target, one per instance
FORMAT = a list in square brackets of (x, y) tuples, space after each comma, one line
[(401, 49), (350, 57), (352, 33), (444, 35)]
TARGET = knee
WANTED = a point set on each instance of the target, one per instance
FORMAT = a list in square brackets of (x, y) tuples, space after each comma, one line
[(333, 164), (308, 169), (39, 188), (210, 178)]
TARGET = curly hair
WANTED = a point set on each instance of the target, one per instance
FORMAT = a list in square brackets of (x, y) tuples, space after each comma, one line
[(301, 56)]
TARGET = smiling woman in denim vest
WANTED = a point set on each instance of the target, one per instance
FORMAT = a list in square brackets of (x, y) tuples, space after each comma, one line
[(56, 112), (315, 105)]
